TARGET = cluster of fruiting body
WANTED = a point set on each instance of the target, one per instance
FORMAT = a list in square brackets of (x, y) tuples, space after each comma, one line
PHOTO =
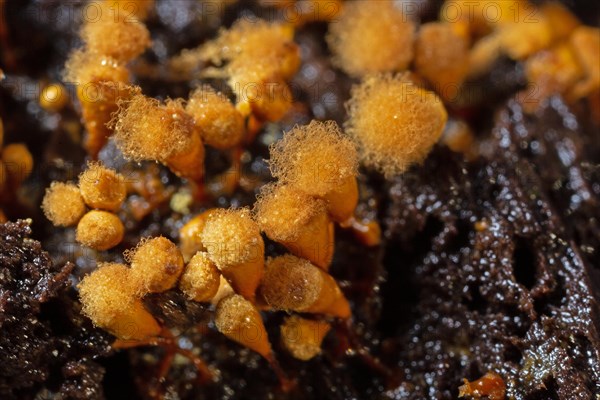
[(393, 122), (146, 129), (174, 132), (377, 37), (101, 189), (16, 164), (227, 274), (257, 58), (112, 297), (560, 55), (229, 270), (99, 70), (316, 167)]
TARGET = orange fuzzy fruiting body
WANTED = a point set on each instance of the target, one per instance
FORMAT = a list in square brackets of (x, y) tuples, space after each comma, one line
[(257, 47), (100, 81), (369, 37), (145, 129), (220, 124), (156, 265), (233, 242), (109, 300), (18, 163), (321, 161), (298, 221), (240, 321), (115, 34), (190, 240), (86, 68), (258, 58), (585, 42), (294, 284), (394, 122), (102, 188), (63, 204), (302, 337), (442, 57), (200, 280), (100, 230)]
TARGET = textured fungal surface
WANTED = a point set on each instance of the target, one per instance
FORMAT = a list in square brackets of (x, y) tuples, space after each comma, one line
[(148, 130), (362, 46), (282, 211), (394, 122), (314, 158)]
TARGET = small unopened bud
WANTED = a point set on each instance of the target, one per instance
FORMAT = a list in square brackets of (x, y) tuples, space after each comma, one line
[(241, 322)]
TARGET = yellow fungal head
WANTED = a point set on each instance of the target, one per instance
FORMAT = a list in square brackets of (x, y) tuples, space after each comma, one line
[(115, 34), (371, 36), (240, 321), (156, 265), (102, 187), (394, 122), (63, 204), (220, 124), (100, 230), (145, 129), (316, 158)]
